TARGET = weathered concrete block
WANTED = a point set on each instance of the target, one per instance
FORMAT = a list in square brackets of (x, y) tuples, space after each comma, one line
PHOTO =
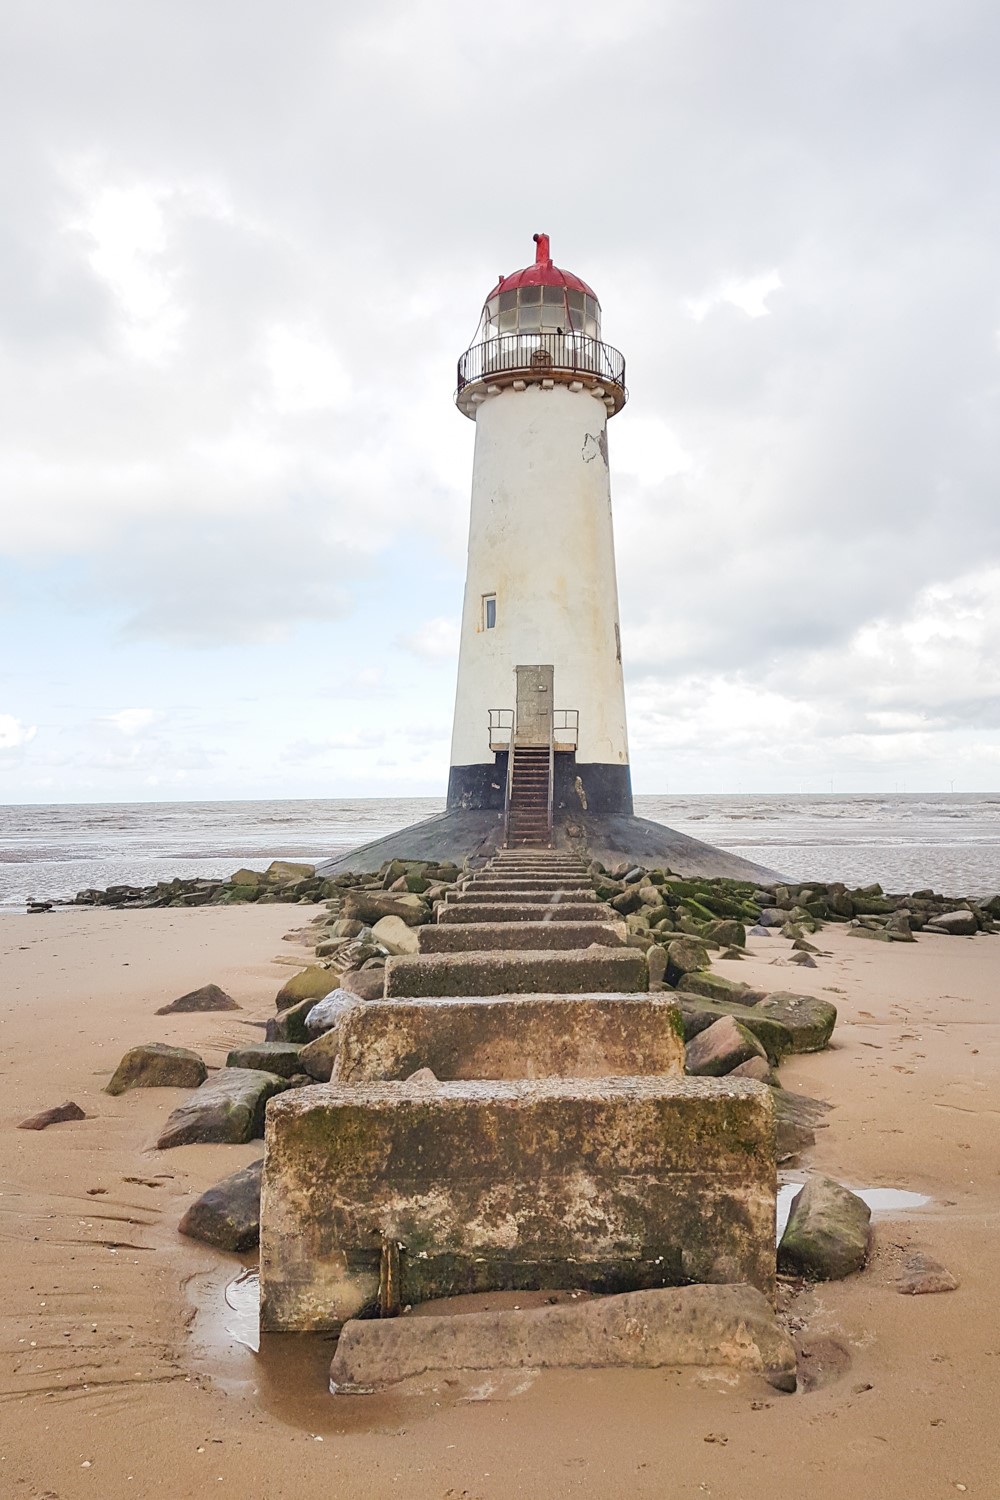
[(537, 1036), (482, 937), (604, 970), (490, 911), (398, 1192), (692, 1325)]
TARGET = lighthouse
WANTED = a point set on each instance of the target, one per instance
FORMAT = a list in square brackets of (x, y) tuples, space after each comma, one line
[(539, 726), (539, 750)]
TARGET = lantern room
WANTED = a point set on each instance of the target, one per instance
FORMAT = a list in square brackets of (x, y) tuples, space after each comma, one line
[(540, 324), (541, 299)]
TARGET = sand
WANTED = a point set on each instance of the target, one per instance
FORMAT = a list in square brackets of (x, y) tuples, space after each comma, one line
[(119, 1377)]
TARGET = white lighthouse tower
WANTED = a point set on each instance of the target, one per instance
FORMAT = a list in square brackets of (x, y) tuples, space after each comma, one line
[(540, 705)]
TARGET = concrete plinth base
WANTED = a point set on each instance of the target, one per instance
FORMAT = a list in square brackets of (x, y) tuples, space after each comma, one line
[(477, 835), (390, 1193), (538, 1036)]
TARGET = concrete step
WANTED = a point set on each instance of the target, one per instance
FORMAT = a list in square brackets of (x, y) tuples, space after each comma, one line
[(518, 895), (459, 937), (520, 882), (607, 1182), (526, 911), (517, 972), (511, 1036)]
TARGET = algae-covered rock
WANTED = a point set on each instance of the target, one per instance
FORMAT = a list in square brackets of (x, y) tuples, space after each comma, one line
[(267, 1057), (244, 877), (697, 1014), (717, 987), (309, 984), (157, 1066), (809, 1020), (685, 955), (228, 1214), (730, 933), (228, 1108), (720, 1048), (827, 1234)]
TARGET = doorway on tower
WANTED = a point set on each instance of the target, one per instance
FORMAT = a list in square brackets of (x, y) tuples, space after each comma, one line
[(528, 803)]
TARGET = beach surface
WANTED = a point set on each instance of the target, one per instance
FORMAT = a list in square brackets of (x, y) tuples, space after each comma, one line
[(123, 1373)]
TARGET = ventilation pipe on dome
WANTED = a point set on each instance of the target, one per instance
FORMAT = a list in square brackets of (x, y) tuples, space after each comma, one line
[(542, 256)]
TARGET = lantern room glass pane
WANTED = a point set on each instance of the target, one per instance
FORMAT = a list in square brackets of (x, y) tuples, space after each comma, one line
[(575, 302), (553, 294), (530, 294), (508, 322), (530, 317), (508, 301)]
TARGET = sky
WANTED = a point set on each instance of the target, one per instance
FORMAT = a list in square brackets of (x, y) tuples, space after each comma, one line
[(241, 248)]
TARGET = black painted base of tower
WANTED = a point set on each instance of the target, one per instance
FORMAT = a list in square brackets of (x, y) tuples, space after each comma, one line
[(577, 787), (473, 834)]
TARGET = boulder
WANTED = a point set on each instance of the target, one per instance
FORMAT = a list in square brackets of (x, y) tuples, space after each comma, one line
[(318, 1057), (921, 1274), (754, 1067), (328, 1013), (346, 927), (157, 1066), (796, 1118), (828, 1232), (208, 997), (729, 933), (956, 923), (57, 1115), (284, 872), (716, 987), (228, 1214), (692, 1325), (685, 955), (365, 984), (720, 1048), (656, 963), (396, 936), (308, 984), (371, 906), (875, 934), (697, 1014), (809, 1020), (267, 1057), (247, 878), (228, 1109), (290, 1025)]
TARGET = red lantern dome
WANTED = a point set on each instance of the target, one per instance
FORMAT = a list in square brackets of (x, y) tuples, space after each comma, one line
[(542, 273), (541, 299)]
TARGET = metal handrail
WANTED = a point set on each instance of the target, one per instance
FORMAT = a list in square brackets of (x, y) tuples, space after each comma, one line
[(538, 352)]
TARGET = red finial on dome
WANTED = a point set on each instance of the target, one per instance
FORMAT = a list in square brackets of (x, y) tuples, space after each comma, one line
[(542, 273)]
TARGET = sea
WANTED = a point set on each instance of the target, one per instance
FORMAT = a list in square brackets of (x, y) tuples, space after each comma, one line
[(904, 841)]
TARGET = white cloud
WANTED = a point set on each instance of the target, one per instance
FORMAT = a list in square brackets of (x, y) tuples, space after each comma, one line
[(132, 721), (14, 734)]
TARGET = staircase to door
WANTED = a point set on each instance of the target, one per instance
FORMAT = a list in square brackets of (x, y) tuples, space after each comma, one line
[(529, 798)]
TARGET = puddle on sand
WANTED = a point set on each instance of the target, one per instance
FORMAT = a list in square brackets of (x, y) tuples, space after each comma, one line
[(880, 1200)]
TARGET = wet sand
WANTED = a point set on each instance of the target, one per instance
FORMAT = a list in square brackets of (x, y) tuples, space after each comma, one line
[(120, 1379)]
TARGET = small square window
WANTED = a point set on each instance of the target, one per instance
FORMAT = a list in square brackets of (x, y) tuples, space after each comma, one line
[(489, 611)]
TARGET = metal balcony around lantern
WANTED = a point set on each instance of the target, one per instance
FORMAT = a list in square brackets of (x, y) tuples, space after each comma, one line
[(538, 357)]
